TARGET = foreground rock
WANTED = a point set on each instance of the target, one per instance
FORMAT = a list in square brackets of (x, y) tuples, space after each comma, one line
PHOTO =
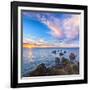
[(41, 70), (66, 68)]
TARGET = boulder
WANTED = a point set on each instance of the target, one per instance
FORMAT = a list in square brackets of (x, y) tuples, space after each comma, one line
[(54, 52), (57, 61), (72, 56), (65, 61), (41, 70), (61, 54)]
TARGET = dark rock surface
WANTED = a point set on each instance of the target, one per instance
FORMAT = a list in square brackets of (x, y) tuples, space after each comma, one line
[(39, 71), (54, 52), (57, 61)]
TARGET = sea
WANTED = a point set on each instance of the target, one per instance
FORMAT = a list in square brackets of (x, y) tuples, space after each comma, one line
[(31, 58)]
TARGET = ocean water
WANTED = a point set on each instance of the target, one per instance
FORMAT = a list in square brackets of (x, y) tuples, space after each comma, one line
[(33, 57)]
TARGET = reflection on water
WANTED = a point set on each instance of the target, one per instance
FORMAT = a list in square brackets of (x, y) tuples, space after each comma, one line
[(33, 57), (30, 54)]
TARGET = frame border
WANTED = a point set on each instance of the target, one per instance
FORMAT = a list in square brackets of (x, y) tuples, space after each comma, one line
[(14, 43)]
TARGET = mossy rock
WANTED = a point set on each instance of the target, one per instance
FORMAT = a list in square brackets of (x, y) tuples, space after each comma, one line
[(68, 68), (71, 69), (56, 71), (60, 72), (65, 61), (76, 69)]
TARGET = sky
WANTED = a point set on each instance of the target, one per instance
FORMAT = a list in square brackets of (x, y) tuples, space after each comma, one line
[(51, 28)]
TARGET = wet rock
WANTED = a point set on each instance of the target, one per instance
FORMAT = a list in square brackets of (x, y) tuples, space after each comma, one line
[(61, 54), (72, 56), (64, 51), (65, 61), (54, 52), (41, 70), (57, 61), (64, 67)]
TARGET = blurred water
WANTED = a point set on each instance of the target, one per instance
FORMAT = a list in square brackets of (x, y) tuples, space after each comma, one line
[(33, 57)]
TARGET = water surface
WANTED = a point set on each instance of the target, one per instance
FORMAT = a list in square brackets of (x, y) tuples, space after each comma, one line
[(33, 57)]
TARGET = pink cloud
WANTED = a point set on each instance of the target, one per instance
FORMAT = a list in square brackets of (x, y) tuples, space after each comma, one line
[(71, 27), (55, 30), (73, 20)]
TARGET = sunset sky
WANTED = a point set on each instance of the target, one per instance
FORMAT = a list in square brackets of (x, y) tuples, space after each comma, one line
[(59, 29)]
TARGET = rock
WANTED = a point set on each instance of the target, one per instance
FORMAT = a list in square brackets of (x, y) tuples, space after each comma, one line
[(57, 61), (54, 52), (72, 56), (61, 54), (75, 69), (64, 51), (56, 71), (68, 68), (65, 61), (61, 68), (71, 69), (41, 70)]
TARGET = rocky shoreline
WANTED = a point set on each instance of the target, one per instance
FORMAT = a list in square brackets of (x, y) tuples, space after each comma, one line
[(63, 66)]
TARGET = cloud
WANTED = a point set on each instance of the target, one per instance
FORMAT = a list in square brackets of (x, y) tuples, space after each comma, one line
[(71, 27), (65, 29), (53, 24), (32, 41), (28, 40), (54, 30), (41, 41)]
